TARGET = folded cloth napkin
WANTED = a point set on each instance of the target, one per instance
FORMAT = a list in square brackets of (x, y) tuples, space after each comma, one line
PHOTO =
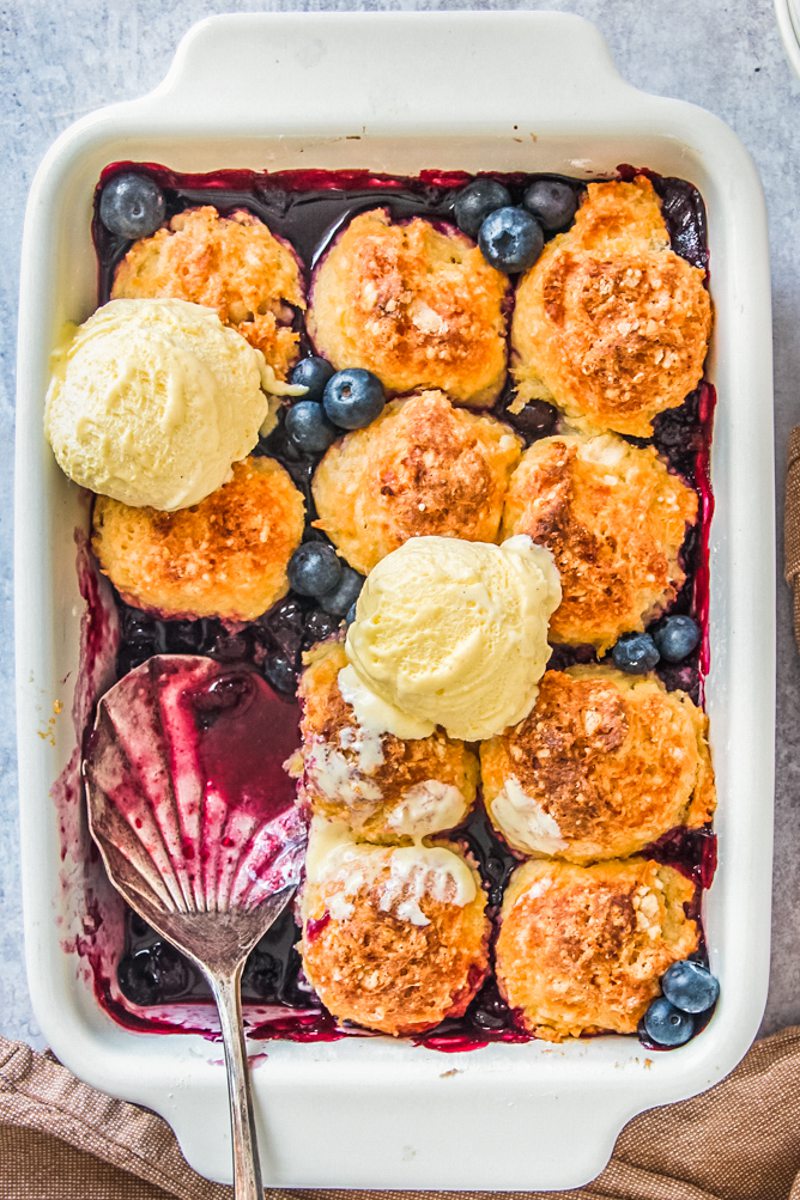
[(791, 526), (62, 1140)]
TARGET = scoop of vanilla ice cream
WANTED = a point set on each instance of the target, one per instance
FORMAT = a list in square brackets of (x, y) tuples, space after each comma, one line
[(151, 401), (452, 633)]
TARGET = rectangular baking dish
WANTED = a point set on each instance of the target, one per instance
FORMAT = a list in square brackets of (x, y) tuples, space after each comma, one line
[(399, 92)]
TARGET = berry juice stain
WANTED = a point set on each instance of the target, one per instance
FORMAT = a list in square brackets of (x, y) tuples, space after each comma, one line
[(244, 735), (308, 209)]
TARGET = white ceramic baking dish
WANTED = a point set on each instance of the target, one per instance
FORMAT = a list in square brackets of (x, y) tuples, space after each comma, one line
[(788, 16), (403, 92)]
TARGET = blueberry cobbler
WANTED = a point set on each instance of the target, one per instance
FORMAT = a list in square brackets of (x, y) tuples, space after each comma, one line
[(427, 461)]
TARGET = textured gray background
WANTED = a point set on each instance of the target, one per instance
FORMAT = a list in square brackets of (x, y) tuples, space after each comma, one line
[(61, 60)]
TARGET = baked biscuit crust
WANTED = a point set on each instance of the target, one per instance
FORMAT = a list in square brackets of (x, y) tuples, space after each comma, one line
[(423, 467), (604, 764), (610, 323), (418, 306), (615, 519), (232, 264), (385, 789), (582, 949), (224, 557), (385, 972)]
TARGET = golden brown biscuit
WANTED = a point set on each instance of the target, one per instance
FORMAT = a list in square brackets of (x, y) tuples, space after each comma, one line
[(582, 949), (233, 264), (385, 789), (423, 467), (394, 939), (610, 324), (614, 518), (604, 764), (224, 557), (418, 306)]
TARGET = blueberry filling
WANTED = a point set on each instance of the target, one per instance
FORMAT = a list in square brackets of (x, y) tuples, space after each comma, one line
[(225, 693), (307, 209), (536, 420), (281, 673), (153, 973)]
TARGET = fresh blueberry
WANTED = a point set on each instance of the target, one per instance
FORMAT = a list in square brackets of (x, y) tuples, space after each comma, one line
[(635, 653), (319, 626), (314, 568), (511, 239), (690, 986), (666, 1025), (344, 595), (312, 373), (351, 614), (353, 398), (132, 206), (281, 674), (677, 637), (552, 202), (474, 203), (309, 428)]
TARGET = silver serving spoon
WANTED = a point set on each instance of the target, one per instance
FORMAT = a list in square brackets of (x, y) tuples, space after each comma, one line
[(198, 831)]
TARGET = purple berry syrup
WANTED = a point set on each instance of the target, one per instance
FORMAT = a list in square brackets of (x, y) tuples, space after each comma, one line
[(307, 209)]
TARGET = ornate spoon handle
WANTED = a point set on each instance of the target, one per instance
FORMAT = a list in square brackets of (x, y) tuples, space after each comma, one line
[(247, 1183)]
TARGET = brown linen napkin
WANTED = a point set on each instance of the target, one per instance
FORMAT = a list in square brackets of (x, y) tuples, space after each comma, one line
[(62, 1140), (791, 526)]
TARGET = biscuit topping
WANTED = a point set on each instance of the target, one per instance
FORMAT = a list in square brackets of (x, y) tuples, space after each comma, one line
[(614, 519), (402, 876), (417, 305), (232, 264), (423, 468), (610, 323)]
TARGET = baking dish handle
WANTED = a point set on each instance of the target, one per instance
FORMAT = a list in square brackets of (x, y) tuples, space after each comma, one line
[(306, 71)]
